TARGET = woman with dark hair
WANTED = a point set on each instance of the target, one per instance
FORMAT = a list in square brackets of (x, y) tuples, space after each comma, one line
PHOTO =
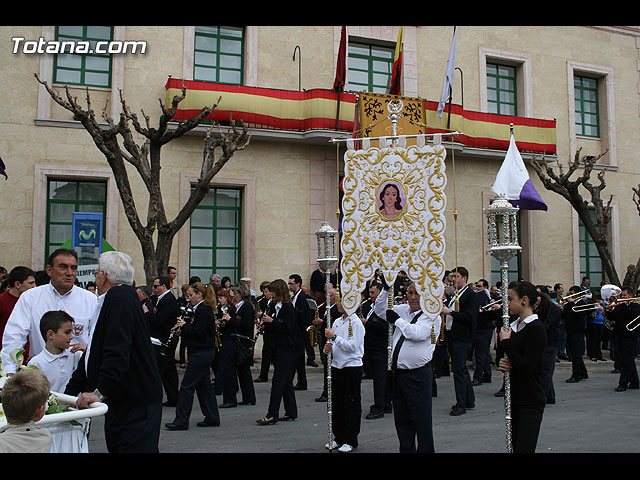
[(198, 337), (235, 327), (282, 324), (524, 345), (225, 283), (391, 200)]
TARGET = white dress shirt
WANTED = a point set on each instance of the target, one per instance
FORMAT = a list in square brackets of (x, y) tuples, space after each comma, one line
[(24, 320), (58, 368), (347, 350), (417, 349), (518, 325)]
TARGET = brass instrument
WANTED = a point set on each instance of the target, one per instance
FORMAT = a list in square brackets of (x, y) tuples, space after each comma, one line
[(168, 347), (313, 329), (573, 297), (606, 292), (633, 324), (489, 306)]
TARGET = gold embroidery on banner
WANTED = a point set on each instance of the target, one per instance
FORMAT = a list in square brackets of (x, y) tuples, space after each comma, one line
[(410, 237)]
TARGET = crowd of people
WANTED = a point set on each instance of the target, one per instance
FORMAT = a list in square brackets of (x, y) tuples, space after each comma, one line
[(118, 343)]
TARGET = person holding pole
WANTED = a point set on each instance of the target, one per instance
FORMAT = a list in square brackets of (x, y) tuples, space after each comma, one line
[(345, 341), (524, 345)]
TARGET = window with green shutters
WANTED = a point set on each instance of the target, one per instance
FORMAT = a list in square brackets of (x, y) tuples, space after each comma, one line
[(586, 106), (215, 240), (370, 67), (219, 54), (590, 262), (90, 69), (65, 197), (502, 91)]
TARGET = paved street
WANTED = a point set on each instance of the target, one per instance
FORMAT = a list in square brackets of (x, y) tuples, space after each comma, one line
[(589, 417)]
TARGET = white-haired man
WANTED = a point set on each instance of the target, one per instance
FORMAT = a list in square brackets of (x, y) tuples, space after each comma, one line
[(121, 367)]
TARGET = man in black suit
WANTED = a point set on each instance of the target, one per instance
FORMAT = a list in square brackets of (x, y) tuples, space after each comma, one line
[(487, 319), (304, 317), (121, 368), (162, 317), (376, 342), (461, 323)]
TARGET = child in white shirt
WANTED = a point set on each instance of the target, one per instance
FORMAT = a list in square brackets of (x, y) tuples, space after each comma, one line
[(58, 361)]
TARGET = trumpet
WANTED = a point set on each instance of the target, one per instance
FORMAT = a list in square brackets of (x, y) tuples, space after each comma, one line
[(491, 305), (172, 341)]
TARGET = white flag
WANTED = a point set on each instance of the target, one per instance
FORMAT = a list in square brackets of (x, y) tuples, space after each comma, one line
[(448, 76)]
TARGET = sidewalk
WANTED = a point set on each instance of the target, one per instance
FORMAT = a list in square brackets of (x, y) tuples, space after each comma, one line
[(588, 417)]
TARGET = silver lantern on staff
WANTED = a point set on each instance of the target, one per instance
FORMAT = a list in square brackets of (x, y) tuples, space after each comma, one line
[(503, 244), (327, 259)]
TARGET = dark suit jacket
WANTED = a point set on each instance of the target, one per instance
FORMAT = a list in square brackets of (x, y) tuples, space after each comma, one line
[(283, 329), (304, 316), (465, 321), (199, 335), (122, 364), (163, 316)]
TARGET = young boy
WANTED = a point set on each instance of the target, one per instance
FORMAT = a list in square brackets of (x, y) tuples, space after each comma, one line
[(24, 401), (58, 361)]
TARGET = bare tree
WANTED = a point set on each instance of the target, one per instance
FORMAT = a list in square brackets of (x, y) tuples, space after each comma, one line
[(560, 182), (146, 159)]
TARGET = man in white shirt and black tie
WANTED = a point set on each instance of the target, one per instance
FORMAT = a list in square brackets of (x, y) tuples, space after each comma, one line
[(412, 371)]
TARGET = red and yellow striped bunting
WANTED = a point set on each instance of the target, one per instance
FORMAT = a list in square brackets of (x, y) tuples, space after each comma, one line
[(317, 109)]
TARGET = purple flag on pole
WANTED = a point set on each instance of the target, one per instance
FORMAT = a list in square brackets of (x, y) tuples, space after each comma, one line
[(513, 182)]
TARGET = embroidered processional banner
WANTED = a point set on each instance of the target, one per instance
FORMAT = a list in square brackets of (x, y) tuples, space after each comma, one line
[(393, 219)]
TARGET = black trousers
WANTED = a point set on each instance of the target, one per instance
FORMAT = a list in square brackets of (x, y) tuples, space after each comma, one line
[(461, 378), (133, 429), (628, 370), (346, 403), (525, 427), (268, 343), (197, 380), (546, 377), (481, 347), (282, 386), (575, 349), (377, 361), (168, 374), (594, 340), (300, 365), (412, 409)]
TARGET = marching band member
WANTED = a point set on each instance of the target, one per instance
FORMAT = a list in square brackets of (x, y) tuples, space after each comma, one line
[(524, 345), (575, 323), (626, 340), (345, 341), (199, 337), (461, 326), (411, 368), (283, 324)]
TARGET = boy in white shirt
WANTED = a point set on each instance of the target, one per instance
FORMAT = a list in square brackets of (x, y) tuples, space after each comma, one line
[(58, 363)]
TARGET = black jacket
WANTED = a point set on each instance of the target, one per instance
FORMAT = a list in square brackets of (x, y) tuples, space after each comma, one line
[(163, 316), (283, 328), (465, 321), (200, 334), (122, 364)]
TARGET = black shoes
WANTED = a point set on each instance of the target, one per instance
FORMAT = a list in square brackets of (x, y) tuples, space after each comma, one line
[(207, 423), (227, 405), (173, 426), (455, 411), (247, 403), (374, 415)]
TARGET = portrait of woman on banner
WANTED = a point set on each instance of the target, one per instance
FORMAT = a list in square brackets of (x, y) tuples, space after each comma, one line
[(391, 200)]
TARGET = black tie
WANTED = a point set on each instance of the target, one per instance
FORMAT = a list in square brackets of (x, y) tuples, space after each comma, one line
[(396, 352)]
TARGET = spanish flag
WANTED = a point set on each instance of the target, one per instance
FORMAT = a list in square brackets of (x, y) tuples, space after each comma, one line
[(397, 68)]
